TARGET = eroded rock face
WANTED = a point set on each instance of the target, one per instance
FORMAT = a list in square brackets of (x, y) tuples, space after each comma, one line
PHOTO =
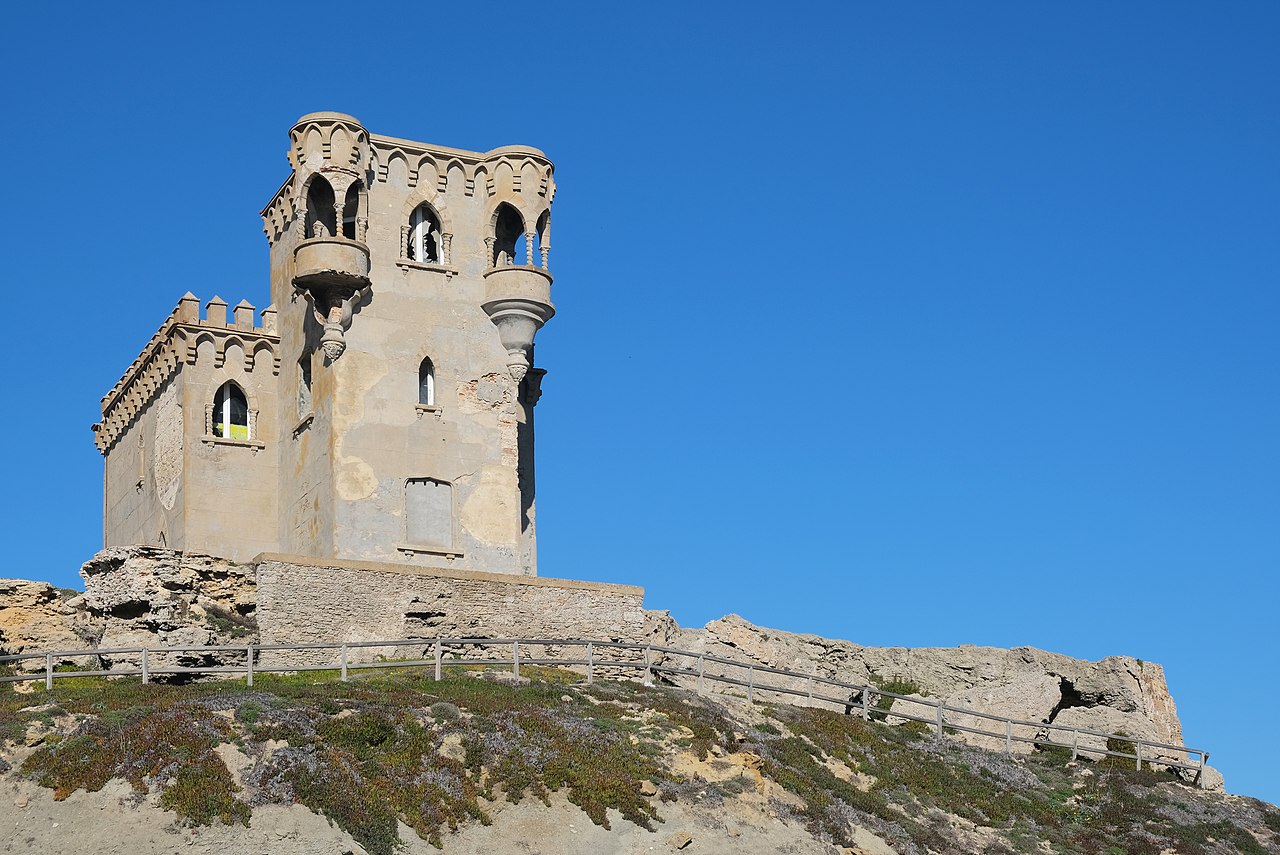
[(145, 597), (1116, 694), (34, 616)]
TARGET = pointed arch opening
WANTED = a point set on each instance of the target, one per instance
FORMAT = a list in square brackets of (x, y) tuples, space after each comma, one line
[(351, 211), (424, 235), (427, 383), (508, 228), (320, 212), (231, 412), (544, 239)]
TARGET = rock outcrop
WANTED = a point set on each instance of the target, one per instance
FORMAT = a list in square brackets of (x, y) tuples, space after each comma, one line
[(36, 616), (146, 597), (1118, 694), (134, 597)]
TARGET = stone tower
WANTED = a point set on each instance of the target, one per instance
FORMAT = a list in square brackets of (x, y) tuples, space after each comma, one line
[(393, 420)]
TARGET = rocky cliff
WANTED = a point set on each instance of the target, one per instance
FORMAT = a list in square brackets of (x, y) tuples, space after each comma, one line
[(1118, 694)]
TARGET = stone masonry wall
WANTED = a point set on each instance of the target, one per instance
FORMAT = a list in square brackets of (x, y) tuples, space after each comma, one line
[(308, 600)]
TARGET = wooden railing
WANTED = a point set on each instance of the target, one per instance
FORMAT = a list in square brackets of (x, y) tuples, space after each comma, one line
[(614, 657)]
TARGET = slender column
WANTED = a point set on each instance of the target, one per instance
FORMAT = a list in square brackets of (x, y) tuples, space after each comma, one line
[(339, 212), (362, 228), (446, 248), (404, 241), (546, 251), (492, 260), (530, 249)]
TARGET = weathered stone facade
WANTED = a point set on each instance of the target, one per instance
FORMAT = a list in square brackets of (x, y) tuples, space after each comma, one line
[(383, 407)]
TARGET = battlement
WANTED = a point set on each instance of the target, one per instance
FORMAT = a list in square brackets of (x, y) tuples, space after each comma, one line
[(338, 143), (177, 342)]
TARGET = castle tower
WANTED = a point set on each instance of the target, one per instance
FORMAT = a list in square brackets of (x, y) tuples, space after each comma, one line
[(383, 409), (411, 279)]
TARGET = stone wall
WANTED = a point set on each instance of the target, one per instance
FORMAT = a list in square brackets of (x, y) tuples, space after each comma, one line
[(308, 600)]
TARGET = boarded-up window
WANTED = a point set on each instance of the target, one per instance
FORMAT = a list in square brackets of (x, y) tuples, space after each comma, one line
[(428, 508)]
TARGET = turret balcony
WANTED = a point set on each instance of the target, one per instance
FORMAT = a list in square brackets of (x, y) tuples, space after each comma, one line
[(333, 272), (518, 301), (517, 282), (331, 261)]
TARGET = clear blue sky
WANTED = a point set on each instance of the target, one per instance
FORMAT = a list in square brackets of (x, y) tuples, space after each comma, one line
[(908, 323)]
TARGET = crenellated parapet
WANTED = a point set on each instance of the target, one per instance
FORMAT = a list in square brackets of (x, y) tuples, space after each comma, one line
[(183, 339), (337, 146)]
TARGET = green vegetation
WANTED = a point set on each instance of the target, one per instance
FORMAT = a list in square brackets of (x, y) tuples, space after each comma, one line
[(400, 747), (897, 685), (229, 622)]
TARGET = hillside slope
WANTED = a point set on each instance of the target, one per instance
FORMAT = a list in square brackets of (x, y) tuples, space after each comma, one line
[(477, 762)]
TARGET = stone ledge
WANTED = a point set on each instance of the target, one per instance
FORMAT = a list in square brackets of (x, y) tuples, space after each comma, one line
[(437, 572)]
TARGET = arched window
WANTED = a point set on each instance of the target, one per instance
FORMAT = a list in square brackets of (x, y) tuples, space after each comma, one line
[(230, 412), (544, 239), (350, 211), (320, 208), (424, 235), (508, 228), (427, 383)]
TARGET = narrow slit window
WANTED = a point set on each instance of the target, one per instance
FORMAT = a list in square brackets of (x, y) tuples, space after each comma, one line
[(304, 386), (427, 383)]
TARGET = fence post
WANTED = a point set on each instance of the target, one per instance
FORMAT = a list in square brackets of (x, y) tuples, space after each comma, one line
[(515, 659), (591, 663), (751, 684), (940, 719), (1204, 760), (809, 683), (1008, 736), (866, 713), (48, 672), (1075, 744), (248, 658), (1137, 753), (344, 663), (146, 672), (439, 654), (648, 665), (702, 665)]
